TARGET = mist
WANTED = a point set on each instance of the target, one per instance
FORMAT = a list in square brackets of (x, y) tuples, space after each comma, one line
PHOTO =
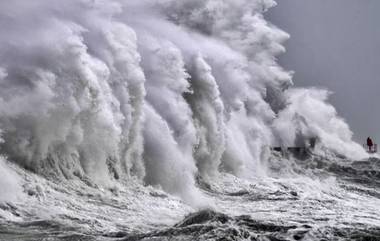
[(164, 92)]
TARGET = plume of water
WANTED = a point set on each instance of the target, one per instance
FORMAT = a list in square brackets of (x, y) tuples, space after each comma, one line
[(158, 90)]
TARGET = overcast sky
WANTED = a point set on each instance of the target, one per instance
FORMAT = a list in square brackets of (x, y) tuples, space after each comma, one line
[(336, 45)]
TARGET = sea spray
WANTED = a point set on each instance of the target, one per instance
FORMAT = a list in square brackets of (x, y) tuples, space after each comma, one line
[(161, 91)]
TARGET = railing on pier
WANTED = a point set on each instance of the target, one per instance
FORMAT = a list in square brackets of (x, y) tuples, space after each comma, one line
[(298, 152)]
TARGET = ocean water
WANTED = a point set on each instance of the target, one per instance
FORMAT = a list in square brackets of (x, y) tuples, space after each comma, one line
[(331, 202), (156, 120)]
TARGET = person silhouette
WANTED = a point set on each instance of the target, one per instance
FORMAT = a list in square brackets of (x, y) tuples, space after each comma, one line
[(369, 144)]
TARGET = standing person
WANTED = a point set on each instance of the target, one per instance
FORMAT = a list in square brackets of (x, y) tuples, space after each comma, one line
[(369, 144)]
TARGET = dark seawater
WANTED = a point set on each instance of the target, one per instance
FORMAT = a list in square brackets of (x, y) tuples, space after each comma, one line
[(361, 178), (154, 120), (346, 208)]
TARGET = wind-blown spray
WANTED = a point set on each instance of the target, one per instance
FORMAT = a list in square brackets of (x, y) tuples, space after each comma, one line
[(163, 91)]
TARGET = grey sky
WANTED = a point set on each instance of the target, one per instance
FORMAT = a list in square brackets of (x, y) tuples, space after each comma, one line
[(336, 44)]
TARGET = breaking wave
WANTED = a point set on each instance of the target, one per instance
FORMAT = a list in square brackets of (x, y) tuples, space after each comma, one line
[(117, 105), (158, 90)]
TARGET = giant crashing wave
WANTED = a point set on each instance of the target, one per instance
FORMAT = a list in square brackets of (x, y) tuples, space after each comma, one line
[(161, 92)]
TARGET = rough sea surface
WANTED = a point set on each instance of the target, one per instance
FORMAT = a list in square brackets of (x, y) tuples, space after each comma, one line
[(159, 120), (326, 201)]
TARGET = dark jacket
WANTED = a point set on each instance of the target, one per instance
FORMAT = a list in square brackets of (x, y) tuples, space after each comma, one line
[(369, 142)]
